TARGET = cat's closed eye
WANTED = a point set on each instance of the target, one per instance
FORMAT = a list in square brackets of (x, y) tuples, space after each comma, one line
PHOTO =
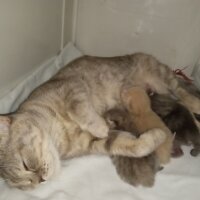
[(25, 166)]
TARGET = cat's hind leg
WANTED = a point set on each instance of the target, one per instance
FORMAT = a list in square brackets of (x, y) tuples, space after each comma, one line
[(158, 77), (120, 143), (190, 101)]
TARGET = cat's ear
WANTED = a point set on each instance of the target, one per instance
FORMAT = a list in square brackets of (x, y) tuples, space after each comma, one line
[(4, 125)]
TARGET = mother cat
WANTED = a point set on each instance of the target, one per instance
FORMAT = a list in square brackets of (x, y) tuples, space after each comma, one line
[(61, 118)]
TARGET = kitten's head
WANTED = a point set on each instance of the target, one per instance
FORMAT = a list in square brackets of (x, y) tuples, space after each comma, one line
[(27, 155), (136, 100)]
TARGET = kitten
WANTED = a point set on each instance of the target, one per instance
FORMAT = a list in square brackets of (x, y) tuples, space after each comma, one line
[(61, 117), (144, 119), (135, 171), (180, 121)]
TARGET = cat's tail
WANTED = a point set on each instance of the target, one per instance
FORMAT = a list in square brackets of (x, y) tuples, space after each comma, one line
[(125, 144)]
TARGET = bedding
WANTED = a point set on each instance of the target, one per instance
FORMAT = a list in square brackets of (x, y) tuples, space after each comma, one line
[(94, 177)]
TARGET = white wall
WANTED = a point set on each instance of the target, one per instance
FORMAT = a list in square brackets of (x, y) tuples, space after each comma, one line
[(168, 29), (30, 33)]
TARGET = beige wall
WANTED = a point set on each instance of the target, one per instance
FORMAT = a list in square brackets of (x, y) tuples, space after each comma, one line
[(30, 33), (169, 29)]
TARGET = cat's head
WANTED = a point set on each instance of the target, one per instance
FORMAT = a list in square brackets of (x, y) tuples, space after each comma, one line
[(28, 156)]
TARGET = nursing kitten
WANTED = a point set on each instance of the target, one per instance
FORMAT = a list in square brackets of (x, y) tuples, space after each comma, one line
[(144, 119), (61, 117), (180, 121), (135, 171)]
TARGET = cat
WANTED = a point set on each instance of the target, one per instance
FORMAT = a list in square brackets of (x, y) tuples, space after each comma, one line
[(61, 118), (135, 171)]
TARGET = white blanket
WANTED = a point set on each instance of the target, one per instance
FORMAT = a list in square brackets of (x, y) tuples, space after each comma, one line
[(94, 177)]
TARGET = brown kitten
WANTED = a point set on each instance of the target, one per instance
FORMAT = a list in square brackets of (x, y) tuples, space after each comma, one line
[(144, 119)]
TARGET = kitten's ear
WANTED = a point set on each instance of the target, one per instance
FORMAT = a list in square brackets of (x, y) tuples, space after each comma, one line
[(4, 124)]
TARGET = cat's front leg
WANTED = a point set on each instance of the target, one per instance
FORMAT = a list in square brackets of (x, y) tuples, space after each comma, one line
[(83, 113), (96, 126)]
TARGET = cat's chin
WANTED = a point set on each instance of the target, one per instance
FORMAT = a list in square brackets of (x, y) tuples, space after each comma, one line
[(21, 186)]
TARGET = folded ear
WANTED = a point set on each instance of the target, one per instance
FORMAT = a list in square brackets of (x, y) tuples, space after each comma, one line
[(4, 125)]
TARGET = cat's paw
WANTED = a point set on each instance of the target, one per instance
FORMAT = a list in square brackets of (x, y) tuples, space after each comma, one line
[(98, 128)]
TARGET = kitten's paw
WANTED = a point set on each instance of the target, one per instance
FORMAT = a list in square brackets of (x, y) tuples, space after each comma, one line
[(98, 128)]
